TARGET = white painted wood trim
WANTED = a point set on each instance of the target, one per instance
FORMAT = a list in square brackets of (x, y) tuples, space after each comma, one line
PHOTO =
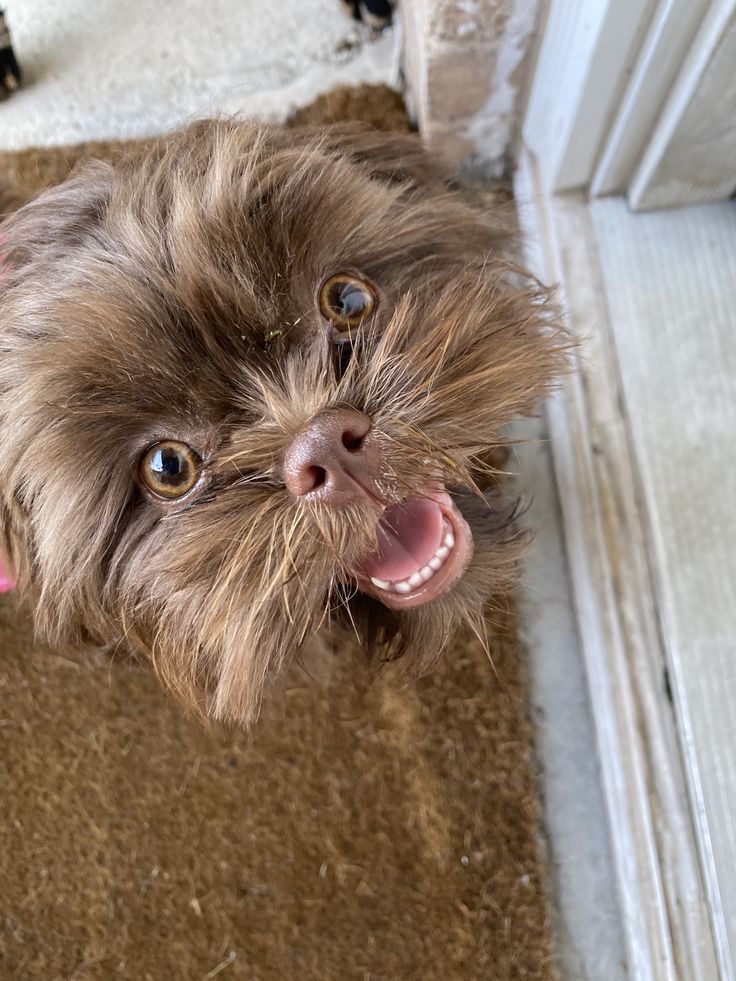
[(713, 79), (588, 49), (637, 96), (669, 283), (666, 919), (670, 35)]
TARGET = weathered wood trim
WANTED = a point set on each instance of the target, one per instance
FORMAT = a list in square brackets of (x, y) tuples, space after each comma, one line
[(466, 63), (665, 913)]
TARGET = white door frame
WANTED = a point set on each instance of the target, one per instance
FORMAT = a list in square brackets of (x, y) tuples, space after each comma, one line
[(619, 89), (616, 103), (664, 899)]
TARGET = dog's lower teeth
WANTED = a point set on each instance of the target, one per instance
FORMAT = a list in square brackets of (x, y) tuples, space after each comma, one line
[(421, 575)]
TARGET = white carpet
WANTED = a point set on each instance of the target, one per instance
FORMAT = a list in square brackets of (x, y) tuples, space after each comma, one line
[(103, 69)]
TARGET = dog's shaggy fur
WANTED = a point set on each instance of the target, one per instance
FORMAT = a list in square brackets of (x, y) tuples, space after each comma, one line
[(174, 296)]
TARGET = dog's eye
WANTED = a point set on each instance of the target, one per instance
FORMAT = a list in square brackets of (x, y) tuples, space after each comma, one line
[(346, 300), (170, 469)]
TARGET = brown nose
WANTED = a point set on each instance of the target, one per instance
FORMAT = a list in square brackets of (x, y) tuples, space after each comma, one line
[(333, 459)]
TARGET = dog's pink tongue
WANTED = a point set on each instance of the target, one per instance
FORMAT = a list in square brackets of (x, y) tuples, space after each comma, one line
[(408, 536)]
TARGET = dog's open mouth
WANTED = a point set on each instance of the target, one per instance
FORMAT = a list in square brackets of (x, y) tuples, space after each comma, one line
[(424, 546)]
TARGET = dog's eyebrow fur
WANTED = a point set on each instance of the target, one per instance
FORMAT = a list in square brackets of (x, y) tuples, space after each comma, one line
[(172, 293)]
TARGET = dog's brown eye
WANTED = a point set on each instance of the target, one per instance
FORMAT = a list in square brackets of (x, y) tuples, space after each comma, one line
[(170, 469), (346, 300)]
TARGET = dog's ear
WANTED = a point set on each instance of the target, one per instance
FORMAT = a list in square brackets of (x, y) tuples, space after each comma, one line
[(57, 219), (37, 248)]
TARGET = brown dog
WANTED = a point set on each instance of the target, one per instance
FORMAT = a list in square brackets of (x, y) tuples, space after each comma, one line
[(247, 377)]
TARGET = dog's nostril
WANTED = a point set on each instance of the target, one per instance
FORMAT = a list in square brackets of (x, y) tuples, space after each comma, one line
[(352, 441), (316, 476), (332, 458)]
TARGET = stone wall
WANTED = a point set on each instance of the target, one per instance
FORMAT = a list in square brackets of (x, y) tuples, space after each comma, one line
[(466, 65)]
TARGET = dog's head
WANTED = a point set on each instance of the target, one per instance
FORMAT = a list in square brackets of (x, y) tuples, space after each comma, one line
[(246, 382)]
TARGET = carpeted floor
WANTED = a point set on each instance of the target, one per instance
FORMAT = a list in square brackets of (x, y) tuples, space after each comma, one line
[(360, 831)]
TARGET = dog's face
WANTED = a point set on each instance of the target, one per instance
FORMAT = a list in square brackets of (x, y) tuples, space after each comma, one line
[(245, 383)]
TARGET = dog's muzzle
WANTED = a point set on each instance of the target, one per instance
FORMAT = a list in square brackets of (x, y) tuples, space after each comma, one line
[(424, 543)]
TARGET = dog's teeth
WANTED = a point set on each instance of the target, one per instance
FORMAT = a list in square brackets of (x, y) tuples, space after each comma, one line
[(449, 540), (442, 552), (403, 587), (415, 580), (426, 573), (435, 563), (381, 583)]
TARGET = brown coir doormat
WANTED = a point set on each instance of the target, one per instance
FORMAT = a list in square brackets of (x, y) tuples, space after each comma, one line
[(360, 832)]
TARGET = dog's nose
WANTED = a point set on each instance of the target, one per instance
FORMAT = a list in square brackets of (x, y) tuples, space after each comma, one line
[(334, 458)]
